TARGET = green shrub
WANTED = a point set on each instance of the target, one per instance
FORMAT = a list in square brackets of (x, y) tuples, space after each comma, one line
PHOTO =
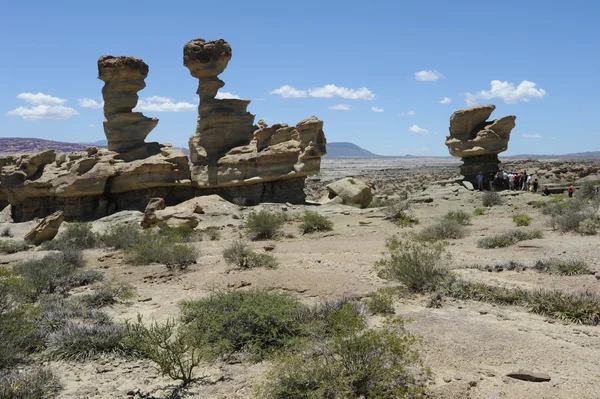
[(242, 256), (508, 239), (76, 236), (589, 227), (255, 323), (108, 295), (12, 247), (538, 204), (460, 217), (181, 233), (167, 346), (562, 267), (6, 232), (445, 229), (56, 311), (123, 236), (161, 248), (522, 220), (37, 383), (589, 189), (80, 278), (417, 265), (491, 198), (313, 222), (51, 273), (380, 302), (372, 364), (568, 220), (264, 225), (80, 342), (478, 211)]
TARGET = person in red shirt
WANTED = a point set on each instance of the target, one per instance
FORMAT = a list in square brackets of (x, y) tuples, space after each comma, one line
[(517, 180), (570, 190)]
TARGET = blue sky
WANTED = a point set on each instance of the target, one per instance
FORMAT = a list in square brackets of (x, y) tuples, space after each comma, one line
[(341, 61)]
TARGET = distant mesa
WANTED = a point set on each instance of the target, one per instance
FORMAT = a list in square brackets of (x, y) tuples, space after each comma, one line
[(348, 150)]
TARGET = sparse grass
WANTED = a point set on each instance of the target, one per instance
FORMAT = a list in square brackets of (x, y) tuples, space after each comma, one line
[(508, 238), (182, 233), (522, 220), (36, 383), (478, 211), (589, 189), (12, 247), (107, 295), (398, 211), (445, 229), (238, 253), (161, 248), (417, 265), (264, 225), (589, 227), (538, 204), (460, 217), (562, 267), (167, 346), (6, 232), (123, 236), (212, 232), (380, 302), (491, 198), (75, 236), (313, 222)]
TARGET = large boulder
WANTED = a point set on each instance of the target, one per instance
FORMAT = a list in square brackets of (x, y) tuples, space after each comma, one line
[(46, 230), (150, 219), (352, 191), (187, 213)]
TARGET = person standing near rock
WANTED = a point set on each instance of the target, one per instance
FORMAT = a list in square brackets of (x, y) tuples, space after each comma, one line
[(511, 181), (480, 181), (535, 185), (528, 183), (570, 190), (517, 181)]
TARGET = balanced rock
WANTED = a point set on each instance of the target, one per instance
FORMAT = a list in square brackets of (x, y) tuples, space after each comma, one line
[(123, 77), (150, 219), (352, 191), (479, 141), (46, 230)]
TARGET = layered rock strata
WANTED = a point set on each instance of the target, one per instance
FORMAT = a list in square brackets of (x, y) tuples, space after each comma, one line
[(479, 141)]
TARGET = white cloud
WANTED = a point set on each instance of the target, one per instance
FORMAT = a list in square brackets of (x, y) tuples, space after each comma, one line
[(43, 106), (532, 136), (409, 113), (163, 104), (419, 130), (423, 149), (224, 94), (287, 91), (376, 109), (428, 76), (90, 103), (330, 91), (92, 126), (446, 100), (340, 107), (507, 92), (41, 99)]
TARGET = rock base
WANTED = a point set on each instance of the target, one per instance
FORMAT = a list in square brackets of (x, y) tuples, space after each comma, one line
[(94, 207), (489, 165)]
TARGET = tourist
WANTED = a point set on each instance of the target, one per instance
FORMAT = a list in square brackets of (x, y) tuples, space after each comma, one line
[(511, 181), (535, 185), (517, 181), (528, 183), (570, 190), (480, 181)]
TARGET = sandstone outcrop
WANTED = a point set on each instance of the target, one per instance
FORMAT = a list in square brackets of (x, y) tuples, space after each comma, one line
[(479, 141), (230, 156), (351, 191), (185, 214), (46, 230)]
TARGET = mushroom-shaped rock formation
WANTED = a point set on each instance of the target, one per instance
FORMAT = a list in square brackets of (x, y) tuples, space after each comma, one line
[(228, 149), (123, 77), (478, 141)]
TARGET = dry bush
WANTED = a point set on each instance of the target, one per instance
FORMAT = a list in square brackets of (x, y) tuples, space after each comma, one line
[(491, 198), (445, 229), (313, 222), (12, 247), (75, 236), (238, 253), (563, 267), (508, 239), (36, 383), (264, 225)]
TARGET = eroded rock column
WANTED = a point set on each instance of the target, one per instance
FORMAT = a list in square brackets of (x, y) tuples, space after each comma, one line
[(123, 77)]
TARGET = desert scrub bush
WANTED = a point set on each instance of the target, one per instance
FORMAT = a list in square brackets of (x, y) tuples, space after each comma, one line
[(562, 267), (328, 318), (6, 232), (167, 346), (478, 211), (589, 227), (538, 204), (255, 323), (264, 225), (51, 273), (567, 219), (55, 311), (80, 278), (417, 265), (380, 302), (398, 211), (83, 341), (76, 236), (12, 247), (313, 222), (36, 383), (445, 229), (122, 236), (371, 364), (181, 233), (238, 253), (107, 295), (17, 320), (460, 217), (522, 220), (509, 238), (589, 189), (212, 232), (491, 198), (157, 248)]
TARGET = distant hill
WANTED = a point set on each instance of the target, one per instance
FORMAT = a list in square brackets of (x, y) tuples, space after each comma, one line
[(348, 150), (19, 145)]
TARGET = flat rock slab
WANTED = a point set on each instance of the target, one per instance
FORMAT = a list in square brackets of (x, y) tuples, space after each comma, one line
[(530, 376)]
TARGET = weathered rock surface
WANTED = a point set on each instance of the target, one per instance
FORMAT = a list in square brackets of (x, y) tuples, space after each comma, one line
[(123, 77), (46, 230), (351, 191), (478, 141), (187, 213), (531, 376)]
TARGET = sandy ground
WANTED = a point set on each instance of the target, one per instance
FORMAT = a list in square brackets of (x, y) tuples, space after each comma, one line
[(469, 346)]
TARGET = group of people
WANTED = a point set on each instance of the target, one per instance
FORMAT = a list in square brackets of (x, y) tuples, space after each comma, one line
[(516, 181)]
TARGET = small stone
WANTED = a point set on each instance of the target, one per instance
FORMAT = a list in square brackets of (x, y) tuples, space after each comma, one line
[(447, 379), (483, 312), (531, 376), (362, 222), (269, 247), (148, 299)]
